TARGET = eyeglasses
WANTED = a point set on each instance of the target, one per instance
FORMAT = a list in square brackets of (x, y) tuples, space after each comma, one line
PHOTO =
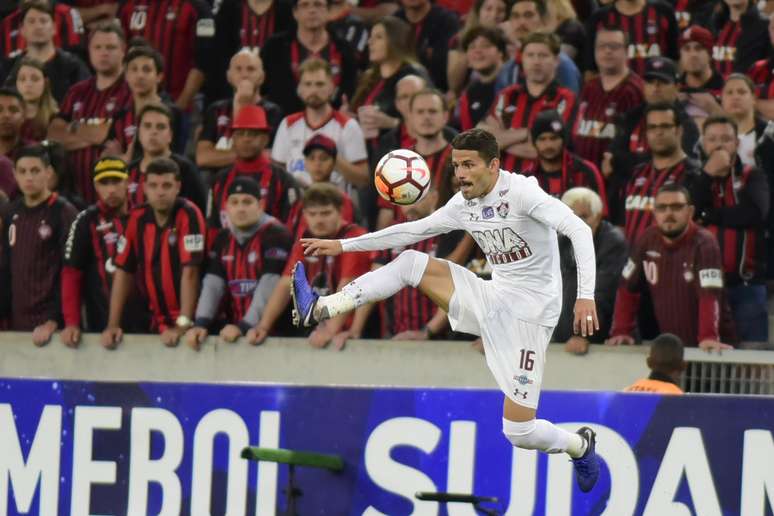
[(659, 127), (675, 206)]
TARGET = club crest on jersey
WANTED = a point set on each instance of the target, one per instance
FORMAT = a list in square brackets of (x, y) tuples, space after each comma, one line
[(171, 15), (172, 238), (110, 238), (12, 234), (45, 231), (688, 275), (121, 245), (111, 105), (487, 212), (252, 257), (502, 209), (651, 29)]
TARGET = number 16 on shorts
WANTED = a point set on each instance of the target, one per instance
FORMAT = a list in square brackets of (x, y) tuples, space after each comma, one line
[(526, 360)]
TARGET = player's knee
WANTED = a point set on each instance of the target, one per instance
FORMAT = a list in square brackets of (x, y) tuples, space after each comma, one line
[(413, 265), (521, 433)]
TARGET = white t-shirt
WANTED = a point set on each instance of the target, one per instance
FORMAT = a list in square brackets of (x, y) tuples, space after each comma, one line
[(747, 148), (294, 132), (515, 225)]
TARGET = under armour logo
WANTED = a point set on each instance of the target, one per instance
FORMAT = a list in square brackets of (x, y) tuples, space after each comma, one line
[(523, 394)]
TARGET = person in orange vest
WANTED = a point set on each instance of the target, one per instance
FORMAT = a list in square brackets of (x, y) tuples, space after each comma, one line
[(666, 365)]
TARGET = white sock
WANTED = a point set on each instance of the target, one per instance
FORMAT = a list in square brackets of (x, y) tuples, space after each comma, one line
[(405, 270), (539, 434)]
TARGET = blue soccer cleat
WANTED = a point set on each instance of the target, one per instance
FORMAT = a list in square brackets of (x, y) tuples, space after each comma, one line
[(587, 467), (304, 298)]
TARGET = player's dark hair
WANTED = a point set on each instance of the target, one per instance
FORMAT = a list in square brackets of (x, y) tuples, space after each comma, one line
[(5, 91), (161, 166), (323, 194), (478, 140), (429, 91), (34, 151), (540, 5), (666, 353), (609, 27), (494, 35), (719, 120), (156, 107), (109, 27), (144, 50), (43, 6), (662, 106), (675, 187), (548, 39)]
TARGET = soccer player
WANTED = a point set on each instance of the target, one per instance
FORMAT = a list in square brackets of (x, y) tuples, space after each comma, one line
[(86, 115), (246, 262), (68, 33), (666, 364), (515, 224), (679, 263), (164, 244), (34, 229)]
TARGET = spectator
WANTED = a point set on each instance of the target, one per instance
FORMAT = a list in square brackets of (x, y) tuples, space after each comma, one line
[(527, 17), (762, 74), (610, 253), (322, 210), (350, 28), (12, 113), (738, 102), (320, 154), (433, 26), (694, 12), (700, 84), (733, 205), (278, 189), (484, 53), (402, 136), (163, 244), (508, 120), (94, 12), (319, 117), (666, 364), (614, 91), (154, 137), (247, 260), (563, 20), (39, 105), (62, 68), (679, 263), (187, 53), (86, 114), (89, 256), (8, 187), (284, 52), (651, 25), (741, 37), (245, 75), (34, 229), (68, 32), (556, 168), (144, 75), (669, 163)]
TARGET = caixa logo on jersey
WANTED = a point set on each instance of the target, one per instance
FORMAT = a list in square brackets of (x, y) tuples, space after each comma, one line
[(242, 287), (502, 245)]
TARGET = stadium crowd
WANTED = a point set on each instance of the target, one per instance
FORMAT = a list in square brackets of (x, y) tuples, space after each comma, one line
[(160, 159)]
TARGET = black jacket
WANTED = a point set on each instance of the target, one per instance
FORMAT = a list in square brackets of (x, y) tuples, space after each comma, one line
[(753, 43)]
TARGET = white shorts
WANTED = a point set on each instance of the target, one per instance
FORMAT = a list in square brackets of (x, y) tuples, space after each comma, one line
[(515, 349)]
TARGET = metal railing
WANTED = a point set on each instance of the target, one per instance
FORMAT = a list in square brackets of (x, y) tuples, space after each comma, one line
[(732, 372)]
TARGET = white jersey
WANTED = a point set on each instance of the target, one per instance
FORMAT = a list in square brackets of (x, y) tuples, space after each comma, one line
[(515, 225)]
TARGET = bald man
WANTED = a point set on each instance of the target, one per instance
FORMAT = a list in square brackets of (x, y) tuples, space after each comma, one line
[(666, 364)]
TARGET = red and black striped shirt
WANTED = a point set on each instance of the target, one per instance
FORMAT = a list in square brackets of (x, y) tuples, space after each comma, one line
[(85, 104), (181, 30), (516, 108), (724, 50), (474, 103), (191, 184), (69, 33), (594, 126), (158, 255), (296, 223), (641, 192), (652, 32), (88, 265)]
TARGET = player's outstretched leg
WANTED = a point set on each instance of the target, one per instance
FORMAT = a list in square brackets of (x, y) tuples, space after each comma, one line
[(309, 309), (587, 465)]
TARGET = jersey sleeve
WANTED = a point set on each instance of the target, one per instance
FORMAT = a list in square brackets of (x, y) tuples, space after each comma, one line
[(126, 249), (276, 249), (709, 269), (77, 246), (627, 300), (280, 150), (191, 239)]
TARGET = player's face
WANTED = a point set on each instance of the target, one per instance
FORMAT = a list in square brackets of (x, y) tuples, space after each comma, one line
[(492, 13), (483, 56), (161, 190), (475, 176), (720, 136), (662, 133), (245, 66), (694, 58), (155, 133), (539, 63), (32, 176), (31, 83), (142, 77), (377, 44), (243, 210), (421, 209), (405, 89), (584, 212), (311, 14), (737, 99), (11, 116), (106, 52), (656, 91), (610, 51), (672, 213), (323, 221), (315, 89), (249, 143), (320, 165), (549, 146), (427, 115), (37, 27), (112, 191), (525, 18)]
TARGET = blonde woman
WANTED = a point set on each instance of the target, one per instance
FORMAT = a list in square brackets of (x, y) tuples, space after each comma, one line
[(35, 88)]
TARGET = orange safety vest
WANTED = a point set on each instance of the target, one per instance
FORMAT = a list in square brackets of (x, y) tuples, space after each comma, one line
[(655, 386)]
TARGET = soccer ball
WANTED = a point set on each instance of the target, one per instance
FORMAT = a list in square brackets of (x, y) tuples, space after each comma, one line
[(402, 177)]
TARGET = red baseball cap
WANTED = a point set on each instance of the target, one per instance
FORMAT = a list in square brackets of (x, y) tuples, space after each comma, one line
[(251, 117), (698, 35), (320, 141)]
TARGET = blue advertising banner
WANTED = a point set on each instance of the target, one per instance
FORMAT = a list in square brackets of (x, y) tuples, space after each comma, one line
[(84, 448)]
